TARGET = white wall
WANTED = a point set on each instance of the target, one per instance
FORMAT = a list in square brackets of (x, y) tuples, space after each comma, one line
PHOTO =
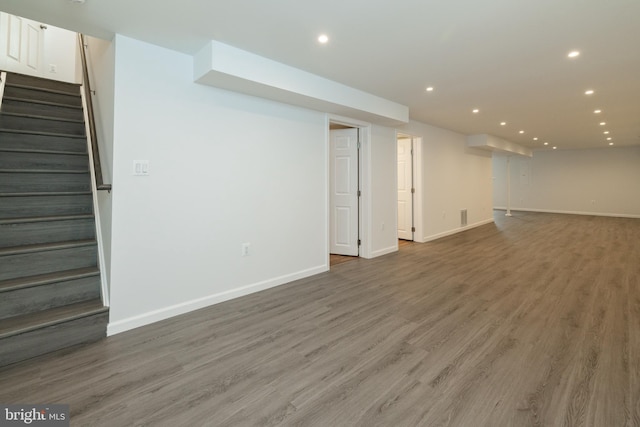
[(384, 191), (225, 168), (595, 181), (60, 49), (454, 177)]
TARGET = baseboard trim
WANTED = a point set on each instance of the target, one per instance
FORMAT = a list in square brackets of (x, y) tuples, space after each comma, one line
[(613, 215), (384, 251), (124, 325), (457, 230)]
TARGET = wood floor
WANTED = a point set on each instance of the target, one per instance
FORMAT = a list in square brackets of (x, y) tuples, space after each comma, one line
[(533, 321)]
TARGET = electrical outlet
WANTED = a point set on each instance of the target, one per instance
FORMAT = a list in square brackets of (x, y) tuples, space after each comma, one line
[(53, 68)]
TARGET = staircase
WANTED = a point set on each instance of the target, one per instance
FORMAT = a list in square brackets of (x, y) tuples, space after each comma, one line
[(50, 288)]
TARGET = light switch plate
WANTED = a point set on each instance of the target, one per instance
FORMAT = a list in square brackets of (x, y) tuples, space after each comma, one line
[(141, 167)]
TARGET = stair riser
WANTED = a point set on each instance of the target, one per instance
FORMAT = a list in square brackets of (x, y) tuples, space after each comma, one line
[(32, 233), (38, 298), (41, 125), (25, 107), (38, 95), (33, 206), (31, 264), (40, 182), (42, 142), (52, 338), (16, 160), (22, 79)]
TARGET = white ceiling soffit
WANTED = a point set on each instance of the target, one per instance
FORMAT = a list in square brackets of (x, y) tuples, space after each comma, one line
[(227, 67), (493, 143)]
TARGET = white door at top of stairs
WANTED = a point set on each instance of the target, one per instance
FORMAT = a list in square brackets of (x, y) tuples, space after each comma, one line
[(21, 45)]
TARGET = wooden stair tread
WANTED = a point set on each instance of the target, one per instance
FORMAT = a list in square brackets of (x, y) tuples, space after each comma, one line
[(38, 101), (33, 151), (44, 170), (41, 117), (24, 220), (44, 279), (44, 194), (29, 322), (44, 89), (41, 247), (32, 132)]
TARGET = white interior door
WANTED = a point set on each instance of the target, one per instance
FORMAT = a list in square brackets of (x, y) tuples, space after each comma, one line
[(405, 192), (21, 45), (343, 192)]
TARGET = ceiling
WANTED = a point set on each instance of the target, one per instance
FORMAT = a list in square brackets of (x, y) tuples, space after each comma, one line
[(507, 58)]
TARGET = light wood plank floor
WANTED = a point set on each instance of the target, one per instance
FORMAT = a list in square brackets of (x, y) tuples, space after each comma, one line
[(533, 321)]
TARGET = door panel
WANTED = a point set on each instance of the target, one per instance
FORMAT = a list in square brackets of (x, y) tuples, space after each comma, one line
[(343, 187), (33, 46), (405, 183), (21, 45)]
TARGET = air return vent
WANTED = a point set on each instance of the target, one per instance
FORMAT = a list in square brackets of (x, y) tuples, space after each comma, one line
[(463, 218)]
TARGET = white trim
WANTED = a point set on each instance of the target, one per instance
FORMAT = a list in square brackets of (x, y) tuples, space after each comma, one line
[(366, 209), (457, 230), (327, 185), (416, 145), (96, 206), (196, 304), (612, 215), (384, 251), (417, 184), (3, 79)]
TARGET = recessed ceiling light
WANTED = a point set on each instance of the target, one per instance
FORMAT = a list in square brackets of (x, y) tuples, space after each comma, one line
[(573, 54), (555, 148), (589, 92), (598, 111), (476, 111), (609, 139), (535, 139), (521, 131), (323, 38), (546, 143), (503, 123), (606, 132), (611, 143), (430, 89), (602, 123)]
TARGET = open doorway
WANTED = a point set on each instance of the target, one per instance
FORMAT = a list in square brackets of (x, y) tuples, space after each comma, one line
[(344, 193), (408, 186), (356, 188), (406, 189)]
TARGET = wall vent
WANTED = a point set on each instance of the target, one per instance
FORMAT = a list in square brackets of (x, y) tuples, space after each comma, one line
[(463, 218)]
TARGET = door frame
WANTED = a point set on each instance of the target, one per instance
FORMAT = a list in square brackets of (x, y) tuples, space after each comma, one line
[(364, 178), (416, 145)]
